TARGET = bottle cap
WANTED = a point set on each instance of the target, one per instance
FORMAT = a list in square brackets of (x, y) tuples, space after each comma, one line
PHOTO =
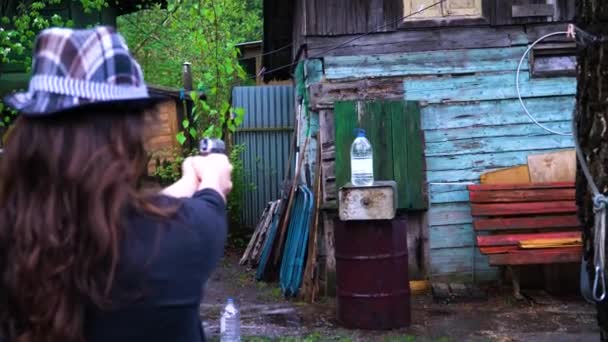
[(230, 300), (360, 132)]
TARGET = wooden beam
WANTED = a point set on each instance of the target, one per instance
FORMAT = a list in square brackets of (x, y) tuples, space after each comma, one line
[(537, 257), (543, 222), (401, 41), (515, 239), (528, 186), (323, 95), (510, 196), (532, 10), (518, 209)]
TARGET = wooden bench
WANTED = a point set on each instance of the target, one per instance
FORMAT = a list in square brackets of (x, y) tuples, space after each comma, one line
[(526, 224)]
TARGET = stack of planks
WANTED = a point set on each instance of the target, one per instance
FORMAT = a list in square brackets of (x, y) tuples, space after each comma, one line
[(251, 256), (526, 223)]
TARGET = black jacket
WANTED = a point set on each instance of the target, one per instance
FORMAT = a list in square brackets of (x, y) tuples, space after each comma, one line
[(163, 268)]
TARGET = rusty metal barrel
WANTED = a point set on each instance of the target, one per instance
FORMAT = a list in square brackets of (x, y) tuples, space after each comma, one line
[(372, 280)]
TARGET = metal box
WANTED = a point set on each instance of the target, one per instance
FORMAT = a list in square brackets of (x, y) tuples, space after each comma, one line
[(375, 202)]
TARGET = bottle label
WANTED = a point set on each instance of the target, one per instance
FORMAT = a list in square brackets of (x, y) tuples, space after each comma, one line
[(362, 165)]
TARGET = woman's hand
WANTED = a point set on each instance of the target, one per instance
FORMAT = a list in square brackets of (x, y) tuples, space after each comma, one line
[(213, 172), (209, 172)]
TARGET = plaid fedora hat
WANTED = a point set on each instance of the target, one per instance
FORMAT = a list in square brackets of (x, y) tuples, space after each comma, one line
[(76, 68)]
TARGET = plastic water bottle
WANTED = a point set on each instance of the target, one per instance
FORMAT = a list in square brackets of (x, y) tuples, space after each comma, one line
[(361, 161), (230, 325)]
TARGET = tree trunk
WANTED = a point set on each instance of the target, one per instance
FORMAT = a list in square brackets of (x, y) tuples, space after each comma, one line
[(592, 120)]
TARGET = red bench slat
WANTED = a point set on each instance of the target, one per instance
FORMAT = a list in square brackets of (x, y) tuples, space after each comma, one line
[(531, 208), (526, 186), (497, 250), (538, 256), (542, 222), (502, 196), (514, 239)]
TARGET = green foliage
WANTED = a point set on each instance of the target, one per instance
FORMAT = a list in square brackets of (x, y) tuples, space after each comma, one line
[(18, 32), (201, 32)]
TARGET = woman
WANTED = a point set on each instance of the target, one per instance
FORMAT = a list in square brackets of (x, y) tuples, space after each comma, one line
[(84, 254)]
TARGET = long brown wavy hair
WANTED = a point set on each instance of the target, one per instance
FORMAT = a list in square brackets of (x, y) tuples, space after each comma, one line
[(65, 184)]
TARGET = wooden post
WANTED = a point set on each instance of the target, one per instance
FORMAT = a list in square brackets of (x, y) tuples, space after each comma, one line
[(188, 87), (592, 118)]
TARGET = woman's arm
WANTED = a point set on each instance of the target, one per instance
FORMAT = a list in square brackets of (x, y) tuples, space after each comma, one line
[(184, 187), (199, 173), (187, 185)]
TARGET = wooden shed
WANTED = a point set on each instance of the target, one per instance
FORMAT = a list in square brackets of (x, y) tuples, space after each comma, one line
[(434, 81)]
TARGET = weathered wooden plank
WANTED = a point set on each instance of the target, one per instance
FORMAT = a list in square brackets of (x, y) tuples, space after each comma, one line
[(314, 70), (534, 195), (444, 38), (514, 239), (328, 133), (465, 260), (502, 12), (345, 123), (532, 10), (531, 208), (330, 191), (498, 249), (457, 175), (440, 193), (543, 256), (440, 135), (376, 117), (536, 31), (424, 63), (451, 236), (498, 144), (565, 10), (484, 160), (399, 141), (341, 17), (449, 196), (330, 257), (496, 112), (467, 175), (449, 214), (409, 166), (530, 186), (555, 221), (323, 95), (485, 87)]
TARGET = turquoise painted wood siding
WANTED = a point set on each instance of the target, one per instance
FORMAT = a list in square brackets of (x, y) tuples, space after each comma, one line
[(472, 123)]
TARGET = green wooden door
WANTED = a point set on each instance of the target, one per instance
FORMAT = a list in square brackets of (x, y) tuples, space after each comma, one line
[(393, 129)]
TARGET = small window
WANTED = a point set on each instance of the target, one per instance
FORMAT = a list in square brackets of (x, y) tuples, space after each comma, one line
[(449, 8), (553, 60)]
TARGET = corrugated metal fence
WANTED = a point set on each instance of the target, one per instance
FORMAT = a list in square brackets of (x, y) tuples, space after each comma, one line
[(266, 134)]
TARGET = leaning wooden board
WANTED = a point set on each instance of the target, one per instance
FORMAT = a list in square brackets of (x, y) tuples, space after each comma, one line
[(513, 175), (553, 167)]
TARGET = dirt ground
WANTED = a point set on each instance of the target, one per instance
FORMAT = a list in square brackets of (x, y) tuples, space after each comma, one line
[(266, 316)]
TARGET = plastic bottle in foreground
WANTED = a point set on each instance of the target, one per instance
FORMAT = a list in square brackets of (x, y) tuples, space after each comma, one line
[(230, 325), (361, 161)]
